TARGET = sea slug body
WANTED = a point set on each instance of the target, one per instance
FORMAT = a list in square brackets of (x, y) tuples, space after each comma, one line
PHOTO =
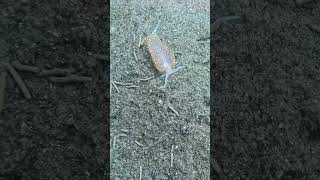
[(162, 58)]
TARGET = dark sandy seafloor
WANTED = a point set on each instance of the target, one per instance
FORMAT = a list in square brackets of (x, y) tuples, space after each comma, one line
[(266, 90), (61, 131), (149, 139)]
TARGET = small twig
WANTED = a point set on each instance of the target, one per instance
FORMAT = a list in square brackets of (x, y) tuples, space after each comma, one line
[(27, 68), (18, 80), (70, 79), (171, 163), (134, 38), (122, 135), (203, 38), (216, 25), (102, 57), (123, 84), (114, 142), (132, 86), (139, 43), (140, 173), (3, 77), (139, 143), (135, 56), (172, 109), (124, 130), (115, 86), (216, 167), (145, 79), (57, 72)]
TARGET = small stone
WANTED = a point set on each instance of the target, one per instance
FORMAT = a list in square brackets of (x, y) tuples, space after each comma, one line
[(184, 130)]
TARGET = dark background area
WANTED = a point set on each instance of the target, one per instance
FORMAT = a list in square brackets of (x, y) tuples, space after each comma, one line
[(266, 90), (61, 132)]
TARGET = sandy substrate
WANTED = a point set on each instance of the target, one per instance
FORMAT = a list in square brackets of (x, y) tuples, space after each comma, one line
[(146, 132), (266, 90)]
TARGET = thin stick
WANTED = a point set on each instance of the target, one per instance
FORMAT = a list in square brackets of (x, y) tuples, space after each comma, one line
[(172, 109), (18, 80), (132, 86), (27, 68), (114, 142), (140, 173), (70, 79), (57, 72), (145, 79), (122, 135), (171, 163), (123, 84), (216, 167), (139, 143), (216, 25), (134, 37), (114, 84), (135, 56), (155, 29), (124, 130), (139, 43)]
